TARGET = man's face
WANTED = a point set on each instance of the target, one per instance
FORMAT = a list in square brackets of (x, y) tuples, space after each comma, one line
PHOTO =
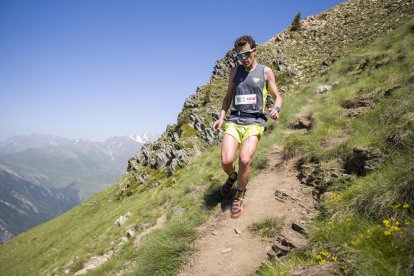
[(247, 62)]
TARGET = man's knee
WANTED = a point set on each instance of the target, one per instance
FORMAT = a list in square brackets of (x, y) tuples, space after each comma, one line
[(244, 161), (226, 162)]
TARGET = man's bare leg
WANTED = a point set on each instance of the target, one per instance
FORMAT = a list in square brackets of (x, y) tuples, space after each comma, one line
[(228, 152), (247, 151), (246, 154)]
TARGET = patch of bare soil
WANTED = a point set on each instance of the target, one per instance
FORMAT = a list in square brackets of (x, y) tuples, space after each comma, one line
[(226, 246)]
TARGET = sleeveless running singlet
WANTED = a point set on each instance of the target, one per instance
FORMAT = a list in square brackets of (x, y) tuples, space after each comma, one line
[(249, 96)]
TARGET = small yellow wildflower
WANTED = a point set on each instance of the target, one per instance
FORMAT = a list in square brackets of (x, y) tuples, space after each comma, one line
[(395, 228), (386, 222), (387, 232), (397, 222), (407, 222), (264, 238), (334, 258), (266, 229), (319, 257), (322, 261), (396, 206), (406, 205), (336, 197), (324, 253)]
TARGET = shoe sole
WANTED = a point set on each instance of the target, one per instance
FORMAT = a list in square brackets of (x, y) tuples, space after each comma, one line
[(235, 216)]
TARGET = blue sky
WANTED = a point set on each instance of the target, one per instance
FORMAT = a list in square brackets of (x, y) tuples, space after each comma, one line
[(93, 69)]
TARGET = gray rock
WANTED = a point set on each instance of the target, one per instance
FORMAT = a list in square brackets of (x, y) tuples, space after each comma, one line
[(131, 232), (322, 89), (298, 228), (280, 250), (122, 219)]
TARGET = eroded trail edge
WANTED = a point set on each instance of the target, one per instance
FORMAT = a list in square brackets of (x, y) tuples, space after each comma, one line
[(225, 246)]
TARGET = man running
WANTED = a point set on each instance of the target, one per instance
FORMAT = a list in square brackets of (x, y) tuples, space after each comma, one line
[(247, 92)]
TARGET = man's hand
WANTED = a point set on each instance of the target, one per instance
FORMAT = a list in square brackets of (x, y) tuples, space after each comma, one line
[(273, 113), (217, 124)]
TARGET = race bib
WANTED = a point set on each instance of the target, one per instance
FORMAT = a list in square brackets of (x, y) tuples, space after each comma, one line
[(245, 99)]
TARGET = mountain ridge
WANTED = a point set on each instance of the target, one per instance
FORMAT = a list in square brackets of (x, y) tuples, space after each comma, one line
[(19, 143)]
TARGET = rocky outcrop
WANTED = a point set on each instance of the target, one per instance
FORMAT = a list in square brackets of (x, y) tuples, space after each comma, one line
[(180, 142)]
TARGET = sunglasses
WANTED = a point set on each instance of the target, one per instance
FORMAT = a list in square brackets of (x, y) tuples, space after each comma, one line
[(245, 54)]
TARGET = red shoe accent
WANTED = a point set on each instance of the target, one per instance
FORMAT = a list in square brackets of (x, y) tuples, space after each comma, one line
[(236, 209)]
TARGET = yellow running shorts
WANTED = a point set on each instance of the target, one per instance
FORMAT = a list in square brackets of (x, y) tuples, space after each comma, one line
[(240, 132)]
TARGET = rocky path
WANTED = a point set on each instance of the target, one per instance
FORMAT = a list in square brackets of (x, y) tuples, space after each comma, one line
[(226, 247)]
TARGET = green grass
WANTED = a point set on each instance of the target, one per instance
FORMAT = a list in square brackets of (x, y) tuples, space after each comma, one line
[(88, 230), (268, 227), (366, 222)]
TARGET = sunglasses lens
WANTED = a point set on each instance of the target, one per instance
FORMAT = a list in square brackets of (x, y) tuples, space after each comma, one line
[(244, 54)]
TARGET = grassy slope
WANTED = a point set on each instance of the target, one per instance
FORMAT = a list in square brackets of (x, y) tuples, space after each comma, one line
[(366, 221), (189, 196), (87, 230)]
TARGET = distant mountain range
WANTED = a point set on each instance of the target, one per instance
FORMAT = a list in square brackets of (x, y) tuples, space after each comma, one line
[(42, 176)]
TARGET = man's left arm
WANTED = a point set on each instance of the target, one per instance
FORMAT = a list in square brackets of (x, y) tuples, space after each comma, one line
[(274, 91)]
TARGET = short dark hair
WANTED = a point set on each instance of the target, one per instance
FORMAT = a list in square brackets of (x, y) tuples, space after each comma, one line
[(243, 40)]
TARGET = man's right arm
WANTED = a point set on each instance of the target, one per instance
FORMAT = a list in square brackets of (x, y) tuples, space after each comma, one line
[(226, 101)]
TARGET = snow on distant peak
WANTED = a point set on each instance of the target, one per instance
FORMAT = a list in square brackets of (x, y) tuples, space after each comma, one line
[(142, 139), (139, 139)]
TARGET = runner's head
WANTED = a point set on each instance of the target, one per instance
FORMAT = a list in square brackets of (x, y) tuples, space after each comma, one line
[(243, 40), (245, 48)]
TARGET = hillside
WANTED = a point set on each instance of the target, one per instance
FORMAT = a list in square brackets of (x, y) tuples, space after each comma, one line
[(351, 146), (24, 203), (42, 176)]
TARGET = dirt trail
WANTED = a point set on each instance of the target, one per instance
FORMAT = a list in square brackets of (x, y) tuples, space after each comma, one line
[(221, 251)]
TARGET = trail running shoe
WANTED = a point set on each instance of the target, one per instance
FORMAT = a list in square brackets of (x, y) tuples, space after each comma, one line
[(226, 188), (236, 209)]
